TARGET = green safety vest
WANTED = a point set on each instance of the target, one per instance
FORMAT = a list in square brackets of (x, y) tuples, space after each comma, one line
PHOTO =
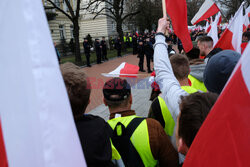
[(167, 117), (130, 38), (140, 140), (124, 39), (197, 84)]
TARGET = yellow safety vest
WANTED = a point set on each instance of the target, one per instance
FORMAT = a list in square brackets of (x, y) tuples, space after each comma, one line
[(140, 140), (167, 117), (197, 84), (124, 39), (130, 38)]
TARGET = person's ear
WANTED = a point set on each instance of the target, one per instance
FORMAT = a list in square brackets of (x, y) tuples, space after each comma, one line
[(104, 101), (130, 99), (182, 147)]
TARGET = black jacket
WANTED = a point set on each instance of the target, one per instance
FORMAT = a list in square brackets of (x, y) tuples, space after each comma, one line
[(86, 47), (94, 134)]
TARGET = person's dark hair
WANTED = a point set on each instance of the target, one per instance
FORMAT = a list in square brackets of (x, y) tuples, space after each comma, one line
[(180, 65), (78, 87), (194, 110), (206, 39), (247, 34), (193, 53)]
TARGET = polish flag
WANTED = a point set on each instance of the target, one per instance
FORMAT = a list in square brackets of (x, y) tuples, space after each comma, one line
[(246, 19), (223, 139), (208, 8), (213, 33), (232, 37), (177, 10), (220, 18), (123, 70), (207, 26), (37, 127)]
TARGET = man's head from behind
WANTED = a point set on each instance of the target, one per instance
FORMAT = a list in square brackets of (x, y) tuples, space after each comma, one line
[(78, 88), (117, 95), (205, 44), (219, 69), (180, 65), (193, 54), (193, 111)]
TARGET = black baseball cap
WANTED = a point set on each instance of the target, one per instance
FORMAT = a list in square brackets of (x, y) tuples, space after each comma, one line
[(116, 89)]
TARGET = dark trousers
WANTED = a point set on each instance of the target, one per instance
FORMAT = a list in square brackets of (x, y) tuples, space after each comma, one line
[(98, 58), (141, 60), (148, 57), (87, 58), (104, 56), (119, 52), (134, 50)]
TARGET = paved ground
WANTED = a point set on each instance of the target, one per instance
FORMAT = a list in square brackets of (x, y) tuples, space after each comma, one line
[(97, 81)]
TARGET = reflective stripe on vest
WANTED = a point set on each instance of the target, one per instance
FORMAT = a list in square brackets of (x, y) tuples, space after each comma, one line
[(140, 139), (168, 119), (197, 84)]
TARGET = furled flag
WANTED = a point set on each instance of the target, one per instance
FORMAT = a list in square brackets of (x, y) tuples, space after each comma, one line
[(246, 19), (123, 70), (36, 120), (177, 10), (213, 33), (208, 8), (232, 36), (223, 139)]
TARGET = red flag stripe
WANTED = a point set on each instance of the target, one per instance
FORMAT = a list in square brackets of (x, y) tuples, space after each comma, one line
[(226, 43), (3, 156), (129, 69)]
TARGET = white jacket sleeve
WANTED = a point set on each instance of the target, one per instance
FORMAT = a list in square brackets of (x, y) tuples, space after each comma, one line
[(169, 85)]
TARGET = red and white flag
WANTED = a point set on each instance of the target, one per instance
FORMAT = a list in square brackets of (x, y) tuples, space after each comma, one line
[(37, 126), (177, 10), (208, 8), (225, 134), (207, 26), (232, 36), (246, 19), (213, 33), (123, 70)]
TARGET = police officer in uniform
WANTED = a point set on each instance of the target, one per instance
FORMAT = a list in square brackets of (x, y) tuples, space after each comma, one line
[(118, 46), (98, 51), (134, 44), (149, 51), (104, 49), (87, 51), (141, 52)]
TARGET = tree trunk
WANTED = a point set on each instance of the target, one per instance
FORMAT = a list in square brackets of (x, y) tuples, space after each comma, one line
[(78, 58), (120, 32)]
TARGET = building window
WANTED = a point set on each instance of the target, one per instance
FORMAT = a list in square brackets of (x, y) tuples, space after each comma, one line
[(72, 31), (62, 31), (113, 25), (57, 2)]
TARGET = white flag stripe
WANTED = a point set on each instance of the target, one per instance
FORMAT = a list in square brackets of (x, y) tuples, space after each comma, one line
[(37, 122), (245, 66), (213, 33)]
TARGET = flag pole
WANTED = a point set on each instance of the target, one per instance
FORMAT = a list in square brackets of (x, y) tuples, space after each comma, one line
[(164, 10)]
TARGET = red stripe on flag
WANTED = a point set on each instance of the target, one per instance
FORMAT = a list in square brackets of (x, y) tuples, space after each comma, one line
[(223, 139), (210, 12), (177, 10), (129, 69), (3, 156), (225, 42), (209, 28)]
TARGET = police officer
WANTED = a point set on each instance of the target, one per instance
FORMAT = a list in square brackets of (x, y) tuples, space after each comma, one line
[(141, 52), (134, 44), (149, 51), (118, 46), (104, 49), (98, 51), (87, 50)]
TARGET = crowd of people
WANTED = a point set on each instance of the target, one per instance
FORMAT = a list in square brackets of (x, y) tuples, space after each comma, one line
[(185, 89)]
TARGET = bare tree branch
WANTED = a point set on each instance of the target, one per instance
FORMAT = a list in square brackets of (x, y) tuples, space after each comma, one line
[(130, 14), (61, 10), (70, 8)]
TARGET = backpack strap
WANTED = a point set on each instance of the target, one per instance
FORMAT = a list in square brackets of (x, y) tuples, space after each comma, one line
[(121, 141)]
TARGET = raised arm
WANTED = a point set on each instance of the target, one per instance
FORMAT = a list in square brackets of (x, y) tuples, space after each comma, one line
[(169, 85)]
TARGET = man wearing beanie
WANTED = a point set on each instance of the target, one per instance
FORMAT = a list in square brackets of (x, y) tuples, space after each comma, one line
[(219, 69), (138, 141)]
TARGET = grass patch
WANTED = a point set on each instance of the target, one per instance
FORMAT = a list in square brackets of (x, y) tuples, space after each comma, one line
[(111, 54)]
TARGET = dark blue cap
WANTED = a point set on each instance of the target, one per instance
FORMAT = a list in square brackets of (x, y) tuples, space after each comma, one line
[(219, 69)]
